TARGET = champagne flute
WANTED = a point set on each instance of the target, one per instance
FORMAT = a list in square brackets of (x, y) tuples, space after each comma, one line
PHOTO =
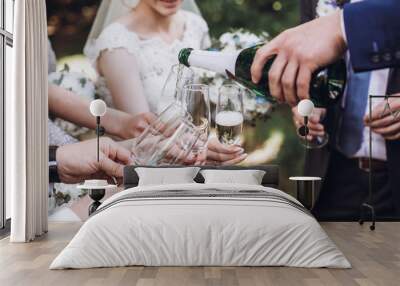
[(176, 148), (147, 147), (178, 77), (195, 98), (229, 114)]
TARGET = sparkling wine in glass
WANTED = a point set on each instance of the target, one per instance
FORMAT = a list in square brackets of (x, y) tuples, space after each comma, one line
[(229, 115), (195, 97)]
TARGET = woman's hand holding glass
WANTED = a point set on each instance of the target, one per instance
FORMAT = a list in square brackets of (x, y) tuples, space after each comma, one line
[(222, 154), (131, 126), (225, 149), (167, 140)]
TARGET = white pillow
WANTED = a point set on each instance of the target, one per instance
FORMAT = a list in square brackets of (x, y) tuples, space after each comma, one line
[(166, 176), (248, 177)]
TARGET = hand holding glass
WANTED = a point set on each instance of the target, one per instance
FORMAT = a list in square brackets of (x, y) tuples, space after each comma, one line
[(168, 140)]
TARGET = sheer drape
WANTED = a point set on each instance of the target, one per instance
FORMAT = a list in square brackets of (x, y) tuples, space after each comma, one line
[(26, 124)]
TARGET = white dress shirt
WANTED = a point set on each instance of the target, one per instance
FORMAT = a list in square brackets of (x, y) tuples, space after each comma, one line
[(377, 86)]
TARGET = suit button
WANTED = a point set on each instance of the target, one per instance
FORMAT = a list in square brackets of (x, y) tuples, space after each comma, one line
[(387, 57), (397, 55), (375, 58)]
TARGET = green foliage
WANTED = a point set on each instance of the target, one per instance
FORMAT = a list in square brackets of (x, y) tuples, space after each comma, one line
[(291, 155), (272, 16)]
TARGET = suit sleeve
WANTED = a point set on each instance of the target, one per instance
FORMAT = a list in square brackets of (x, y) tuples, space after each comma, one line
[(372, 30)]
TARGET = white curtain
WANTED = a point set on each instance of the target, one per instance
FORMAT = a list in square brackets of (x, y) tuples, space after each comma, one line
[(26, 124)]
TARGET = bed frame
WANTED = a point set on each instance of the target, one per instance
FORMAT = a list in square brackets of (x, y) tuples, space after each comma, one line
[(270, 179)]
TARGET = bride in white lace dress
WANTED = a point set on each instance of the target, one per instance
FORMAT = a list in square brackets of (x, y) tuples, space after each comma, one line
[(133, 45), (134, 53)]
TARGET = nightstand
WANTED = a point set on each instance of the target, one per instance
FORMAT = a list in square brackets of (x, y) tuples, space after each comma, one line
[(306, 190)]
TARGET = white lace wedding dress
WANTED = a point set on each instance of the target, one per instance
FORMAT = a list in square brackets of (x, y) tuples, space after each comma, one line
[(154, 56)]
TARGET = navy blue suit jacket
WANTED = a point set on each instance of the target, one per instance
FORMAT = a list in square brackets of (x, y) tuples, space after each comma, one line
[(373, 34), (317, 160)]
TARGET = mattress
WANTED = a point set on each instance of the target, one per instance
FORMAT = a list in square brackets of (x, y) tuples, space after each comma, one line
[(201, 225)]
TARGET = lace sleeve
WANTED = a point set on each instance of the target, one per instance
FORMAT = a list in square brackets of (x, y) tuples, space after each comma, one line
[(113, 37)]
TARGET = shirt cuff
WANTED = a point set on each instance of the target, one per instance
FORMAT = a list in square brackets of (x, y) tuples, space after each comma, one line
[(343, 27)]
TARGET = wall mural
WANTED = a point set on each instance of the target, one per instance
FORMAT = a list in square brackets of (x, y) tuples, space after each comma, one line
[(135, 72)]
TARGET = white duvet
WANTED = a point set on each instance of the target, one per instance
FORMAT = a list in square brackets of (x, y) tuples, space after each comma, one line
[(190, 231)]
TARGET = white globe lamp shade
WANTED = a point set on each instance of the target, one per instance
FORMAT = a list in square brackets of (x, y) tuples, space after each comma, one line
[(305, 107), (98, 107)]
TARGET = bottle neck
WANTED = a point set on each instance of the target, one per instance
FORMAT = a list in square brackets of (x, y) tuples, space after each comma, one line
[(214, 61)]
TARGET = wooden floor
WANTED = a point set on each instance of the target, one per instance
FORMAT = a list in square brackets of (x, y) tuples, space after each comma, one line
[(375, 257)]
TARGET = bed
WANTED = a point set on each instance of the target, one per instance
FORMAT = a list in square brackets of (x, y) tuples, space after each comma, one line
[(198, 224)]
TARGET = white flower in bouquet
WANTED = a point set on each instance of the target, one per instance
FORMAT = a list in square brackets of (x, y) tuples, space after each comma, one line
[(326, 7), (227, 42), (77, 83), (249, 102), (240, 39)]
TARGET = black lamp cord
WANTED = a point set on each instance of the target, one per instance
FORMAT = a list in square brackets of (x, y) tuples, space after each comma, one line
[(306, 131), (98, 137), (305, 121)]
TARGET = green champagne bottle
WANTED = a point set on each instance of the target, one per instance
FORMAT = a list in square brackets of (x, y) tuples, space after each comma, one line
[(326, 87)]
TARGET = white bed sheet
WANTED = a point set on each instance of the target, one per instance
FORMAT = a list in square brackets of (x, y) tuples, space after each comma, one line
[(200, 232)]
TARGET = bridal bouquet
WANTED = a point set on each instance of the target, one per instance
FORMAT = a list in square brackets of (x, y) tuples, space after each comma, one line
[(77, 83), (254, 107)]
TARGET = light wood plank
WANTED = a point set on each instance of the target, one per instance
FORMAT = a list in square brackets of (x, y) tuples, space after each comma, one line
[(375, 257)]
